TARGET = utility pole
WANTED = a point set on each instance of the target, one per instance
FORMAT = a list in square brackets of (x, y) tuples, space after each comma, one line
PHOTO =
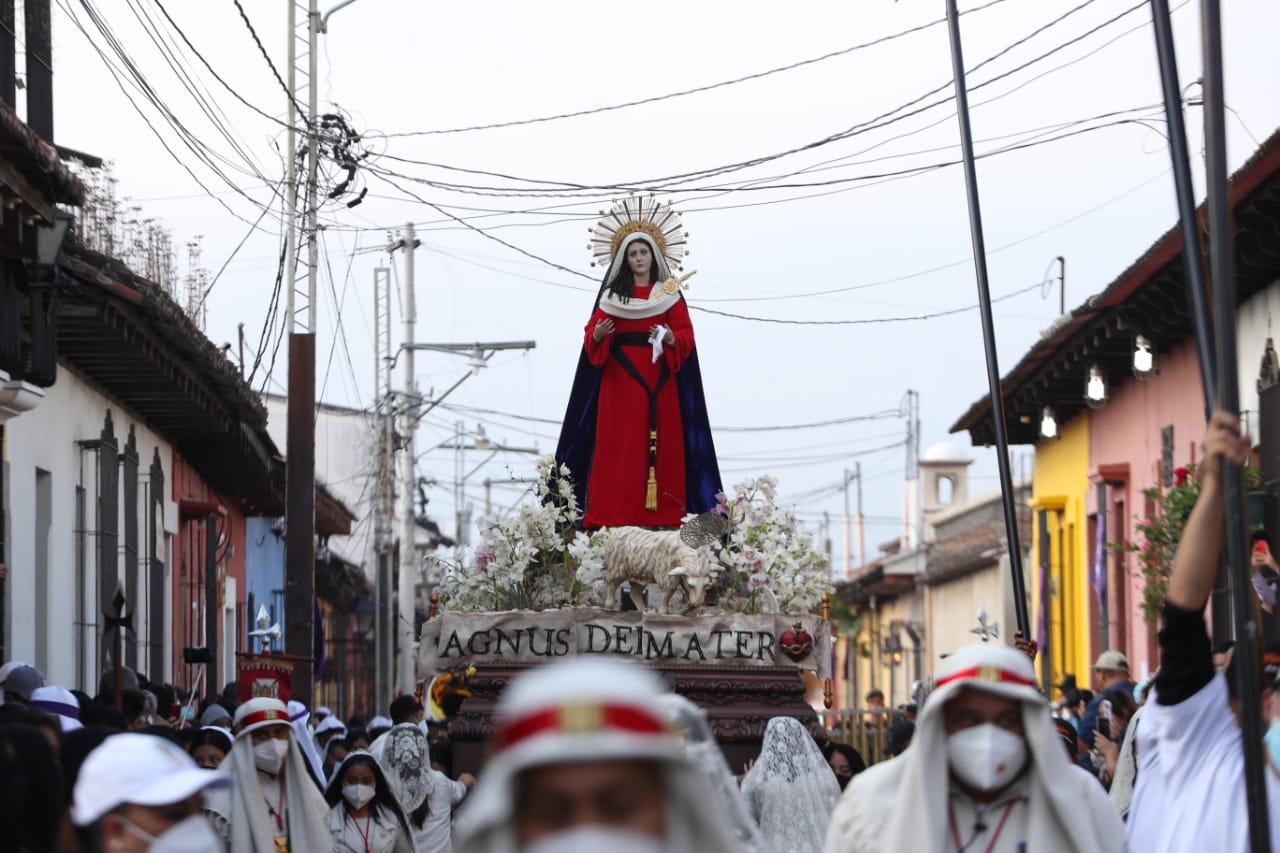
[(300, 486), (857, 521), (913, 493), (857, 518), (384, 498), (406, 679), (848, 544)]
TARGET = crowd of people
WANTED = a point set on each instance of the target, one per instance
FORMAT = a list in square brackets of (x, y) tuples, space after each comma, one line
[(592, 754)]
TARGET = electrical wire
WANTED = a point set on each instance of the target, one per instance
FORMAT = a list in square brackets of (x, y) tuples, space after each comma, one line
[(254, 33), (185, 136), (670, 183), (696, 90), (171, 53), (867, 321), (234, 93)]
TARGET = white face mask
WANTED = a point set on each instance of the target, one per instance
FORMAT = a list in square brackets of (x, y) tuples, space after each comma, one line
[(986, 757), (358, 795), (192, 835), (592, 839), (269, 755)]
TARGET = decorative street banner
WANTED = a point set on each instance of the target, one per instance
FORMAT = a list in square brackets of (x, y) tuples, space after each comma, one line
[(264, 675), (528, 636)]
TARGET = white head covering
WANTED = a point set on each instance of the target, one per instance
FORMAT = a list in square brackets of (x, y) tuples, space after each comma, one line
[(912, 790), (243, 809), (579, 711), (790, 790), (1121, 793), (298, 716), (406, 760), (636, 308), (327, 725), (690, 722), (61, 703)]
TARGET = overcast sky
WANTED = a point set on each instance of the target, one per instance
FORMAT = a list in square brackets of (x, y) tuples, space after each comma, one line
[(777, 241)]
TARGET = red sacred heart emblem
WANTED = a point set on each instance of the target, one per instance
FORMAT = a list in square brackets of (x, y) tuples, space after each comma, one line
[(796, 643)]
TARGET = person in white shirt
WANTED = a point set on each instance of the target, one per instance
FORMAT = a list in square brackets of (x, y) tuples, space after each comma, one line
[(986, 771), (364, 816), (427, 796), (1190, 791)]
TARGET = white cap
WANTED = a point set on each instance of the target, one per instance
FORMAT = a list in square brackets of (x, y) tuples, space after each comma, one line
[(139, 769), (59, 702)]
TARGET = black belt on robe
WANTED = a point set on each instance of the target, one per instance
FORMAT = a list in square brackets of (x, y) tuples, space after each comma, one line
[(641, 339)]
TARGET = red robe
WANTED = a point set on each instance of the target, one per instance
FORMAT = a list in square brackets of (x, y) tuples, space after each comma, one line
[(617, 488)]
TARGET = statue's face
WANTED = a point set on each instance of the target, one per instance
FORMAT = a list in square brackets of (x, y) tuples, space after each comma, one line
[(639, 259)]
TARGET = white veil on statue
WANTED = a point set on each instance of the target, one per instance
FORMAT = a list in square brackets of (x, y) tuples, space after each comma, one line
[(790, 790), (700, 748)]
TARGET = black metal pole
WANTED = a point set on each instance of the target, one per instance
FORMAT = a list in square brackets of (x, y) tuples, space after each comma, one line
[(988, 326), (1192, 263), (212, 613), (1228, 397)]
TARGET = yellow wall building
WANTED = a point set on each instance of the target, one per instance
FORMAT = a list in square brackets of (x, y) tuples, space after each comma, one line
[(1058, 488)]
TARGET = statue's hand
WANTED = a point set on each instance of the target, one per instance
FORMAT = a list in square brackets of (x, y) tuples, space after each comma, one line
[(603, 329)]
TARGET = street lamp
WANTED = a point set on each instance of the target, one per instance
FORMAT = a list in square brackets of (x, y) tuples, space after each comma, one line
[(1048, 424), (1144, 360), (365, 614), (49, 238), (1095, 388)]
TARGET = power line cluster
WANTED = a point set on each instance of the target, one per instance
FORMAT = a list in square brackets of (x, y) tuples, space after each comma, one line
[(868, 152)]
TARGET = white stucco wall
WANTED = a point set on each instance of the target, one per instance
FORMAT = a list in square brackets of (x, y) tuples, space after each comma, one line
[(344, 464), (45, 439), (1256, 320), (954, 607)]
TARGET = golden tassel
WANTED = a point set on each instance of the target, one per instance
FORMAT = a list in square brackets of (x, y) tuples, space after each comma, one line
[(651, 493)]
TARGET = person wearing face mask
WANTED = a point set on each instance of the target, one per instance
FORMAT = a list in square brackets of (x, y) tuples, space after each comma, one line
[(584, 762), (426, 796), (985, 771), (208, 747), (364, 816), (274, 804), (1190, 789), (845, 762), (138, 793)]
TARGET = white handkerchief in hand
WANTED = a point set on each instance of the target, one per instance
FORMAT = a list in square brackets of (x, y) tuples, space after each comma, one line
[(659, 333)]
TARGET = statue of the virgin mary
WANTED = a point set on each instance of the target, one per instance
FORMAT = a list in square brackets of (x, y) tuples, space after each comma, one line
[(636, 437)]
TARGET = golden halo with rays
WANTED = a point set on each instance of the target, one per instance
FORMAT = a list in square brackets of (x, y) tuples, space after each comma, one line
[(657, 219)]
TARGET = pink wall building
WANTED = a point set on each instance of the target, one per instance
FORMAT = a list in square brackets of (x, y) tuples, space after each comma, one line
[(1144, 432)]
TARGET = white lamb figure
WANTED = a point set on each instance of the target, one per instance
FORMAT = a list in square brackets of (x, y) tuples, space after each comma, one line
[(640, 556)]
